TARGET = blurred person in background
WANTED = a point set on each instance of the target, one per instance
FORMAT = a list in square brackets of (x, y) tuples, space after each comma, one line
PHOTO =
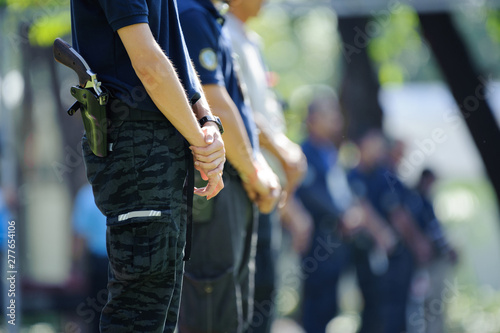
[(218, 285), (426, 310), (89, 246), (326, 196), (284, 156), (384, 277)]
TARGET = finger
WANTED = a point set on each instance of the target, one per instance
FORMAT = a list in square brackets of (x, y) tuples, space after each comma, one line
[(211, 166), (202, 172), (218, 169), (199, 191), (250, 191), (211, 189), (209, 138), (207, 150), (219, 188), (210, 157)]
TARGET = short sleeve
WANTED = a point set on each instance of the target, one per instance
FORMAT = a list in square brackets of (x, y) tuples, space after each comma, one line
[(203, 46), (124, 13)]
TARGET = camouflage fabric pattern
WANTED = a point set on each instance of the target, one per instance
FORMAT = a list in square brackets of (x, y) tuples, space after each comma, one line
[(146, 170), (145, 277)]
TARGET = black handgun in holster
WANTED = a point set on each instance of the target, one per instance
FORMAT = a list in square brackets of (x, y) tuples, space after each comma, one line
[(91, 97)]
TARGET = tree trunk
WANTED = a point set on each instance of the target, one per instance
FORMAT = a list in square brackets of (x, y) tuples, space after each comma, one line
[(360, 86), (468, 89)]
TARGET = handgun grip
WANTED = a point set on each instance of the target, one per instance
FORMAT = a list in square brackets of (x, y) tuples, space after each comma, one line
[(66, 55)]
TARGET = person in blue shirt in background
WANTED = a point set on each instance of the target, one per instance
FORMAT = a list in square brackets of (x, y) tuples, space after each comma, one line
[(429, 281), (89, 229), (218, 284), (384, 277), (326, 195)]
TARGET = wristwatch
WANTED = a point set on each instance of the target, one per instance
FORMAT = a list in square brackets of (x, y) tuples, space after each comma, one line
[(213, 119)]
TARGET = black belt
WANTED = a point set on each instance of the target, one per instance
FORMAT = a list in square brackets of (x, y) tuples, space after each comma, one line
[(120, 111)]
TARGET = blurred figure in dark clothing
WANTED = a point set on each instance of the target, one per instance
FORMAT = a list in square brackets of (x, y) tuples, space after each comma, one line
[(426, 218), (325, 194), (426, 308), (384, 276)]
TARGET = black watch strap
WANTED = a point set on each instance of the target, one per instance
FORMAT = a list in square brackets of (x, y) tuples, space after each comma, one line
[(213, 119)]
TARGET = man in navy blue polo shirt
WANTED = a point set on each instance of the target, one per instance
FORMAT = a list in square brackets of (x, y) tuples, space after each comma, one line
[(217, 295), (141, 185), (384, 278)]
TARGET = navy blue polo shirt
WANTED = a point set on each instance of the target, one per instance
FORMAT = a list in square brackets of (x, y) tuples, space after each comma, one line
[(211, 52), (376, 186), (94, 24)]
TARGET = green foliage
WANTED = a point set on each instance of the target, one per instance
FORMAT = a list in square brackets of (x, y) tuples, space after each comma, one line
[(399, 50), (301, 46), (49, 27), (25, 4), (493, 24), (479, 27), (48, 19)]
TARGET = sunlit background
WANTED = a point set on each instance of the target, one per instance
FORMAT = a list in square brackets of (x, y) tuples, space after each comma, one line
[(42, 168)]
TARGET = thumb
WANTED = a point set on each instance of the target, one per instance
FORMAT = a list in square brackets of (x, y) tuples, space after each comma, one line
[(203, 175), (209, 138)]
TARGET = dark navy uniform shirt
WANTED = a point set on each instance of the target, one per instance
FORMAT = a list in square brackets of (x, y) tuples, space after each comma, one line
[(94, 24), (313, 192), (211, 52), (379, 186)]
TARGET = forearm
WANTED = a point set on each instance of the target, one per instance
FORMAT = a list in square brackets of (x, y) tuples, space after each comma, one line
[(272, 142), (237, 144), (169, 96), (160, 80), (288, 153), (405, 226), (201, 108)]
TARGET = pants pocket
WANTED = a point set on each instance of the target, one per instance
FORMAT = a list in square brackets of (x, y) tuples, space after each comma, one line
[(210, 305), (136, 251)]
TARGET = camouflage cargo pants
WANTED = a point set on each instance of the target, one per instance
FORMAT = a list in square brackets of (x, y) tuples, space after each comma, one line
[(139, 186)]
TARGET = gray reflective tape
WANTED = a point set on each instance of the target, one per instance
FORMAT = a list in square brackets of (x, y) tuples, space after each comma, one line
[(138, 213)]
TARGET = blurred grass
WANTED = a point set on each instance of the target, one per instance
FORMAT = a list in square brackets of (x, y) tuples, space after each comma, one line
[(467, 209)]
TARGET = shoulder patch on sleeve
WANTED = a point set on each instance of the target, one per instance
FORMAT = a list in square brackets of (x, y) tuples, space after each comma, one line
[(208, 59)]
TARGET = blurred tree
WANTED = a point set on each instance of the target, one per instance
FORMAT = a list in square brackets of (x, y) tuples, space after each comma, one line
[(468, 87), (399, 52), (40, 22), (295, 47), (360, 85)]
